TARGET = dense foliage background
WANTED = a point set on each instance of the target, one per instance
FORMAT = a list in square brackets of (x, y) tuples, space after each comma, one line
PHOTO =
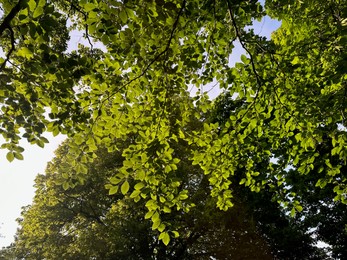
[(146, 164)]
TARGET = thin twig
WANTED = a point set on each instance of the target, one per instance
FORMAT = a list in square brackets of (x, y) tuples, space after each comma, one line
[(161, 53), (86, 26), (238, 34), (257, 76)]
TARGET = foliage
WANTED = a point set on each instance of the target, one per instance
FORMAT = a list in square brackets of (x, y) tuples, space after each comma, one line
[(7, 253), (86, 223), (292, 89)]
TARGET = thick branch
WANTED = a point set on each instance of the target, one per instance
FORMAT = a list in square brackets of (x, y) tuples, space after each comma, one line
[(6, 24)]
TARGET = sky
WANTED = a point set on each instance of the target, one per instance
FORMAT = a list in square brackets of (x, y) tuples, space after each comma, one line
[(17, 178)]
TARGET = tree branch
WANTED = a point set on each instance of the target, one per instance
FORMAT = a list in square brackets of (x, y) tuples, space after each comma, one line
[(257, 76), (174, 27), (6, 24), (164, 51), (86, 26), (238, 35)]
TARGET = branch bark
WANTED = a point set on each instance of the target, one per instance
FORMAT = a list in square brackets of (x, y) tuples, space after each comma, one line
[(6, 24), (7, 20)]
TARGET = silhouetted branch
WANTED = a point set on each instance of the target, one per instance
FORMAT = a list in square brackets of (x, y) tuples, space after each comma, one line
[(6, 24)]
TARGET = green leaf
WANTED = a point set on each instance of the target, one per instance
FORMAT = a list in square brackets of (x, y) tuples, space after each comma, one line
[(253, 124), (162, 227), (123, 16), (41, 3), (135, 194), (183, 195), (40, 143), (166, 209), (66, 185), (139, 186), (18, 156), (292, 212), (44, 139), (298, 208), (175, 233), (149, 214), (296, 60), (22, 17), (32, 5), (156, 224), (83, 168), (115, 180), (156, 217), (105, 39), (244, 59), (10, 156), (38, 12), (108, 186), (113, 190), (89, 7), (125, 187), (25, 52), (165, 237)]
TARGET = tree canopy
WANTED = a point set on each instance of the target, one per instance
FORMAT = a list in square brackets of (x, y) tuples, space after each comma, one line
[(86, 223), (286, 119)]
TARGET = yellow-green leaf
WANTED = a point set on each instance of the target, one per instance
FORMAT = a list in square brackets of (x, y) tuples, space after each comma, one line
[(165, 237), (10, 156), (149, 214), (66, 185), (156, 224), (139, 186), (123, 16), (113, 190), (25, 52), (18, 156), (162, 227), (125, 187), (89, 7), (32, 5), (175, 233), (38, 11)]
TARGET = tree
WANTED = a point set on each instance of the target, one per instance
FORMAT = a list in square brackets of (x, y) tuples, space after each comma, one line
[(323, 217), (84, 222), (288, 237), (155, 50)]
